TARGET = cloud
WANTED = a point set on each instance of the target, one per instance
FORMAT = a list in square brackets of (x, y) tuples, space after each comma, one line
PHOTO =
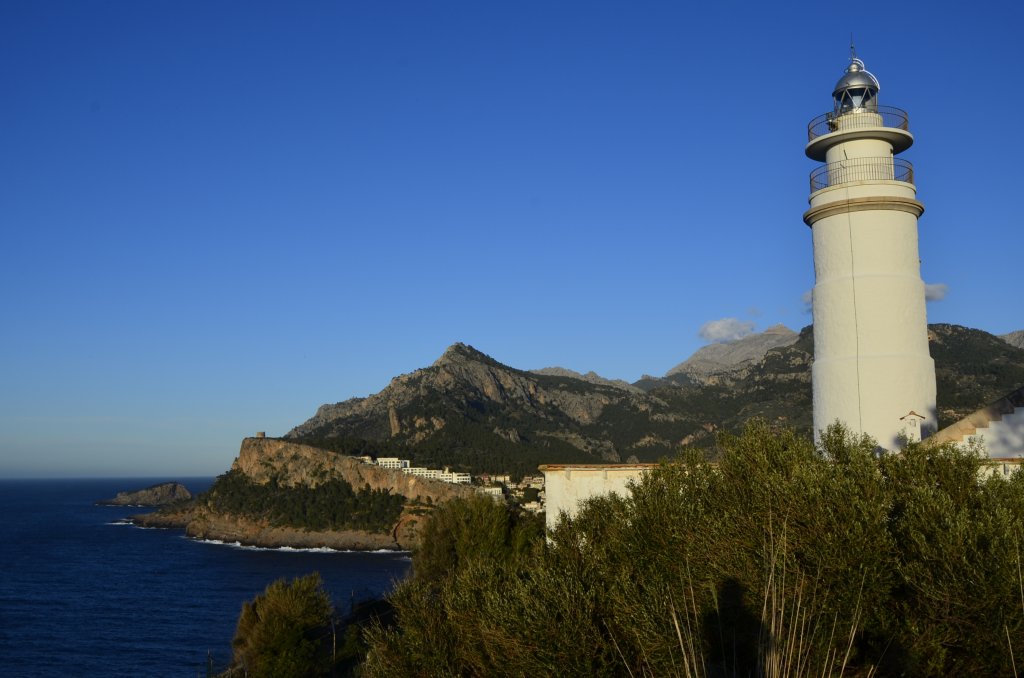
[(725, 330), (807, 299), (935, 291)]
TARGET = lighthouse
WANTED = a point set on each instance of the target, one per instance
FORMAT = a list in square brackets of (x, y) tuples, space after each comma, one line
[(872, 371)]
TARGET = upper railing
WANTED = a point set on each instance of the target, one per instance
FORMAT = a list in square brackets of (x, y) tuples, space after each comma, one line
[(861, 169), (885, 116)]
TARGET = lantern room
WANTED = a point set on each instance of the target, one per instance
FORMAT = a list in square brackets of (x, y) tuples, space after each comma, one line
[(857, 90)]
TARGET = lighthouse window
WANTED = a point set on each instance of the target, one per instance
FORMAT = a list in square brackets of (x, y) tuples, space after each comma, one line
[(856, 98)]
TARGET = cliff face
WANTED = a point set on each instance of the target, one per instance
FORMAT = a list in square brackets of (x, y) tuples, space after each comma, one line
[(291, 465), (295, 464)]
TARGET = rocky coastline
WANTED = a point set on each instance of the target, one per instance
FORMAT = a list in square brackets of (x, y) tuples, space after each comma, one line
[(289, 463), (199, 524)]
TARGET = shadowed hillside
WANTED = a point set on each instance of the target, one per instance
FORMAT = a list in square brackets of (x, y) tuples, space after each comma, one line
[(475, 414)]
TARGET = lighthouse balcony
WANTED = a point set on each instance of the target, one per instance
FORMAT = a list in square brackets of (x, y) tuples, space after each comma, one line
[(879, 116), (861, 169), (880, 122)]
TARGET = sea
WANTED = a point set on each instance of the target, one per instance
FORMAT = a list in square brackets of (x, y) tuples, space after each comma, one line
[(84, 593)]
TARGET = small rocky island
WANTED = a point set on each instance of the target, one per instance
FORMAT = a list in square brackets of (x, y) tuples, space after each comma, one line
[(161, 494)]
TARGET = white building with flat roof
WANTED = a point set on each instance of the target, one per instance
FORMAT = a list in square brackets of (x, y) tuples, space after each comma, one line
[(392, 463), (567, 486)]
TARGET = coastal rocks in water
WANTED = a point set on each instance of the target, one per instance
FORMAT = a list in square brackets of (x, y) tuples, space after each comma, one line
[(162, 494)]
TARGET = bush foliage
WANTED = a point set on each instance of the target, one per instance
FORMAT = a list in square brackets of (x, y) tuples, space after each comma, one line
[(331, 505), (782, 559), (285, 631), (465, 530)]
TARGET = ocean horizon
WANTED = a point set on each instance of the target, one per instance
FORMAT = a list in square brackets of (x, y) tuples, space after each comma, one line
[(85, 593)]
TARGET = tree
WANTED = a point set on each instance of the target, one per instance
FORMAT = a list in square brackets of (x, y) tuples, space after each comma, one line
[(462, 530), (285, 631)]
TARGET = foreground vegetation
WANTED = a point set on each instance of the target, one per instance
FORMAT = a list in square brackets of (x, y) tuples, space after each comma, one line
[(782, 560), (286, 631)]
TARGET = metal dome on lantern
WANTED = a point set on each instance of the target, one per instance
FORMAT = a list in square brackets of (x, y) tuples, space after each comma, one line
[(856, 90)]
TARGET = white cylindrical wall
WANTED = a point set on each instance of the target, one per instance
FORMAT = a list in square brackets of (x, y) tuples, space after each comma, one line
[(871, 364)]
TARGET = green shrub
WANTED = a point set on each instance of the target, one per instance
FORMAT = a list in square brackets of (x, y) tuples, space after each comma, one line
[(959, 591), (285, 631), (463, 530), (782, 559)]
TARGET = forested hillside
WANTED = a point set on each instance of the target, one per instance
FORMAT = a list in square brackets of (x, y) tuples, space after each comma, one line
[(475, 414)]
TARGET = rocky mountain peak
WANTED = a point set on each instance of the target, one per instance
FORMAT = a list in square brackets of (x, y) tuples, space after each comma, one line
[(718, 358), (780, 330), (1014, 338), (459, 353)]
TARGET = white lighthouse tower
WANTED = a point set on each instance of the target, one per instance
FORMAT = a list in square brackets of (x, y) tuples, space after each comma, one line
[(872, 370)]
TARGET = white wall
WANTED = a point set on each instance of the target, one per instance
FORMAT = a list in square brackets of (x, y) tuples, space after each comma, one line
[(871, 362), (567, 485)]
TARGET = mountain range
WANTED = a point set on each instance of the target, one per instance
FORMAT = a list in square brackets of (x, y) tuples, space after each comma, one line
[(473, 413)]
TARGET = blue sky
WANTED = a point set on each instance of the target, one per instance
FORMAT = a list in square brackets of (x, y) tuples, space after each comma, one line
[(216, 216)]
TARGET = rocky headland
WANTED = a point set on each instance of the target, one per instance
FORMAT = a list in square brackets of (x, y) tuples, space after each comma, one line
[(279, 463), (161, 494)]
